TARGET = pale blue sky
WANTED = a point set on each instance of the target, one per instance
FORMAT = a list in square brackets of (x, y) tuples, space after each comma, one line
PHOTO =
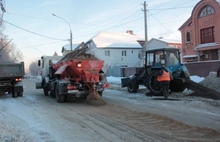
[(87, 18)]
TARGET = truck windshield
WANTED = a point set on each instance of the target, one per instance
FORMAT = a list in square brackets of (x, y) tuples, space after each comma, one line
[(172, 58)]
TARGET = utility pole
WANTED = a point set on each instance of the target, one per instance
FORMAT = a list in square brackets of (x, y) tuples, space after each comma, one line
[(71, 38), (145, 25)]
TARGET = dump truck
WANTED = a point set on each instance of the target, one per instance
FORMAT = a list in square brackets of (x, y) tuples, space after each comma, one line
[(180, 76), (11, 75), (76, 75)]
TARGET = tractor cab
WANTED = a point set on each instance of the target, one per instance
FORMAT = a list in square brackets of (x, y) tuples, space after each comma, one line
[(155, 58), (170, 57), (154, 61)]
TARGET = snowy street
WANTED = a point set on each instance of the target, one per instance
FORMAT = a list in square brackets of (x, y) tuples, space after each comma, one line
[(126, 117)]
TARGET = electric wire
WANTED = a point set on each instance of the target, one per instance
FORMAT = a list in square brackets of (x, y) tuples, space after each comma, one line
[(163, 25), (33, 32)]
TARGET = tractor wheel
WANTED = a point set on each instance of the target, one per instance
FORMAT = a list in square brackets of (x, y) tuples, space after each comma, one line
[(60, 98), (153, 85), (177, 85), (132, 86)]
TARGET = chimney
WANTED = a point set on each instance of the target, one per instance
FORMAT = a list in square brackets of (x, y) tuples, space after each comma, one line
[(130, 32)]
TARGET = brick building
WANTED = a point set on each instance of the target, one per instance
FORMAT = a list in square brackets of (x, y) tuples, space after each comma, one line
[(201, 32)]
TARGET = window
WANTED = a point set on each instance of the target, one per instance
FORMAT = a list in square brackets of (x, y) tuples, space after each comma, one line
[(207, 35), (124, 53), (158, 57), (187, 37), (207, 10), (150, 59), (107, 52), (173, 58)]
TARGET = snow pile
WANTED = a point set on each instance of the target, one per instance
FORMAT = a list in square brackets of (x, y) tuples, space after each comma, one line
[(115, 80), (212, 81), (196, 79)]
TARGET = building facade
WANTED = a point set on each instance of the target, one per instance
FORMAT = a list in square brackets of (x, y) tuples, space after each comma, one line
[(116, 49), (201, 32)]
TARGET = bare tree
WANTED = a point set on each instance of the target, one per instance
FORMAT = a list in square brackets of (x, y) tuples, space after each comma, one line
[(33, 68), (8, 52)]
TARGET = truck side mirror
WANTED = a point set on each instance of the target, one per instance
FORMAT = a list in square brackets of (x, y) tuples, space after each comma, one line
[(39, 63)]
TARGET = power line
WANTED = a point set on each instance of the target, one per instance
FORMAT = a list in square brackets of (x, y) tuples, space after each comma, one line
[(33, 32), (171, 8), (163, 25), (39, 45)]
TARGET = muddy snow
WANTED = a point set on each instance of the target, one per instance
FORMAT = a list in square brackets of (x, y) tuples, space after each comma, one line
[(127, 117)]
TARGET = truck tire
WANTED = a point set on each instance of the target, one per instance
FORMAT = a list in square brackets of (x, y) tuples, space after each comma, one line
[(52, 93), (13, 94), (153, 85), (20, 94), (46, 90), (132, 86), (218, 72), (100, 93), (60, 97)]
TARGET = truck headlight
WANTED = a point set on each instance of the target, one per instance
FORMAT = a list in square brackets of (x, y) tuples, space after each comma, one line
[(79, 64)]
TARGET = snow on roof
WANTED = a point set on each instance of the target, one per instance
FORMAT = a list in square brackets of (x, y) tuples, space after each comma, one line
[(206, 45), (190, 56), (164, 47), (67, 46), (117, 40), (170, 40)]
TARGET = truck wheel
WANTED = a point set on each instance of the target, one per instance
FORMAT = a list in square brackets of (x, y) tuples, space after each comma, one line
[(45, 90), (218, 72), (13, 94), (52, 93), (132, 86), (153, 85), (100, 93), (20, 94), (60, 97)]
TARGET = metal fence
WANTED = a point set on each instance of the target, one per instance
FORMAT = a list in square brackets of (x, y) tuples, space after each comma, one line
[(202, 69)]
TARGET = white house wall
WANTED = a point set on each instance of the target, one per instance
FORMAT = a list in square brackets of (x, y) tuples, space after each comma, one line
[(116, 59), (155, 44)]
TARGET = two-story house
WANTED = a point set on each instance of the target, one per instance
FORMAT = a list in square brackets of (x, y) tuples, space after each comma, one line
[(201, 32), (116, 49)]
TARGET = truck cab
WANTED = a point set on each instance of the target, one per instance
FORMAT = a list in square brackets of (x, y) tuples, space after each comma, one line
[(44, 70)]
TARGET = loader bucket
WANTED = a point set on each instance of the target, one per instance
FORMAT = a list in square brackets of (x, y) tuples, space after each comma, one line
[(95, 99)]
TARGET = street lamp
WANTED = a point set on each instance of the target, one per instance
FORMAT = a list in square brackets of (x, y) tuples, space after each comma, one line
[(69, 27)]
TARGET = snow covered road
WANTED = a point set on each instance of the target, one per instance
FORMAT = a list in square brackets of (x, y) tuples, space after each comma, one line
[(126, 117)]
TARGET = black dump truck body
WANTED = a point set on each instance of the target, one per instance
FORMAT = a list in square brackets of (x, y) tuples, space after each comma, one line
[(11, 75)]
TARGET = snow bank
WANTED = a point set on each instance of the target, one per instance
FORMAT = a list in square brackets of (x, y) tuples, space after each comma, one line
[(117, 80), (196, 79)]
